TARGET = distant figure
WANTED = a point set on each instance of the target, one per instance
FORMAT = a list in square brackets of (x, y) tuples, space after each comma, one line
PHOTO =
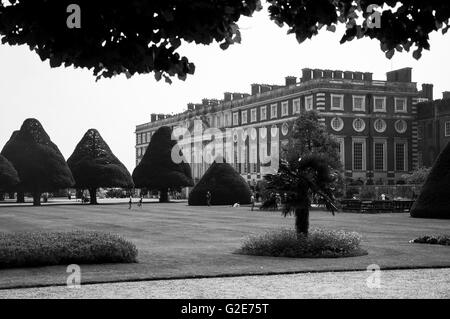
[(69, 196), (130, 202), (252, 199), (140, 202), (383, 197), (208, 198)]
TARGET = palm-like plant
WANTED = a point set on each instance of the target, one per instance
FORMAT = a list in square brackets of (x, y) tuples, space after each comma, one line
[(299, 180)]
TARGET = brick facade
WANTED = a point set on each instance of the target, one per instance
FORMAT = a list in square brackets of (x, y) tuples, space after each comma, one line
[(376, 122)]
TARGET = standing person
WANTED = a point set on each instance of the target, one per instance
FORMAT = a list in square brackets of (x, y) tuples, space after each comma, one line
[(208, 198), (252, 199), (130, 202), (140, 202)]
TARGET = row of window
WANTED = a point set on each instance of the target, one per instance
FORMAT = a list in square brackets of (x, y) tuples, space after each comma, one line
[(379, 155), (359, 103), (273, 109), (143, 138), (359, 125)]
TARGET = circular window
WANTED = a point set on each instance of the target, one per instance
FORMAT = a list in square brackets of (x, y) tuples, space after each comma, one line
[(337, 124), (401, 126), (379, 125), (285, 129), (359, 125)]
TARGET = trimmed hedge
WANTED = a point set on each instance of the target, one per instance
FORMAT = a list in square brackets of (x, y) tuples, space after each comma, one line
[(225, 184), (443, 240), (434, 199), (33, 249), (320, 243)]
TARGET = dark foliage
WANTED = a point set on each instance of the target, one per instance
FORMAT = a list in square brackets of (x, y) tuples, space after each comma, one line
[(407, 26), (123, 37), (320, 243), (58, 248), (138, 36), (8, 174), (157, 170), (434, 199), (297, 181), (443, 240), (227, 187), (40, 164), (93, 165)]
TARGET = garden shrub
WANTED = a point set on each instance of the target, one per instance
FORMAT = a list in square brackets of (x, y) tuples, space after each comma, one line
[(320, 243), (434, 240), (32, 249)]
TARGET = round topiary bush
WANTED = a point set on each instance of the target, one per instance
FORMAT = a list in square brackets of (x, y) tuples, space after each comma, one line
[(320, 243), (225, 185)]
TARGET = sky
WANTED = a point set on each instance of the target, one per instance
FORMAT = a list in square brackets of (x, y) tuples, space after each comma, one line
[(69, 101)]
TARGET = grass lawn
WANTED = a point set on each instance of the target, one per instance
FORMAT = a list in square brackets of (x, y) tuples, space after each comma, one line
[(176, 241)]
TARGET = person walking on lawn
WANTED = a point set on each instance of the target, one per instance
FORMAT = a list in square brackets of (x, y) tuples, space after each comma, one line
[(130, 202), (140, 202), (252, 199), (208, 198)]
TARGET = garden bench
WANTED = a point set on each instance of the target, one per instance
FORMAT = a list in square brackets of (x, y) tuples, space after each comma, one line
[(402, 206)]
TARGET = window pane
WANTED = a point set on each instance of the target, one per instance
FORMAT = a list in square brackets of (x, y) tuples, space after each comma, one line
[(379, 156), (358, 156), (400, 157)]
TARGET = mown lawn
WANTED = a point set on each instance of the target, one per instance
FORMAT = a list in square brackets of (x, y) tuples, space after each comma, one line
[(176, 241)]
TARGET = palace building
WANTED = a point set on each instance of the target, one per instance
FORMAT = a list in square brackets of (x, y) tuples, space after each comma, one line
[(376, 122)]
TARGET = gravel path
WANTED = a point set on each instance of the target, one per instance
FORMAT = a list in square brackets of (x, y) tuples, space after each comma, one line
[(419, 283)]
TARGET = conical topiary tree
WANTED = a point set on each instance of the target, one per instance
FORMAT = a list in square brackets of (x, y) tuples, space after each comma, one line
[(8, 176), (94, 165), (225, 185), (434, 199), (157, 170), (40, 164)]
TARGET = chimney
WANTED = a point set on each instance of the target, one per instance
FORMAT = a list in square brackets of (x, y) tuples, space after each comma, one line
[(153, 117), (338, 74), (348, 75), (401, 75), (358, 76), (237, 96), (306, 75), (328, 74), (190, 106), (227, 96), (368, 76), (317, 74), (291, 80), (265, 88), (256, 89), (445, 95), (427, 91)]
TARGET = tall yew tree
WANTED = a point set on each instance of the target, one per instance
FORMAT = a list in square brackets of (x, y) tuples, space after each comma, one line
[(94, 165), (40, 164), (8, 175), (157, 170)]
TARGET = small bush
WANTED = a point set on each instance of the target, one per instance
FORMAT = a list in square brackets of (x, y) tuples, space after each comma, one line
[(32, 249), (319, 244), (434, 240)]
